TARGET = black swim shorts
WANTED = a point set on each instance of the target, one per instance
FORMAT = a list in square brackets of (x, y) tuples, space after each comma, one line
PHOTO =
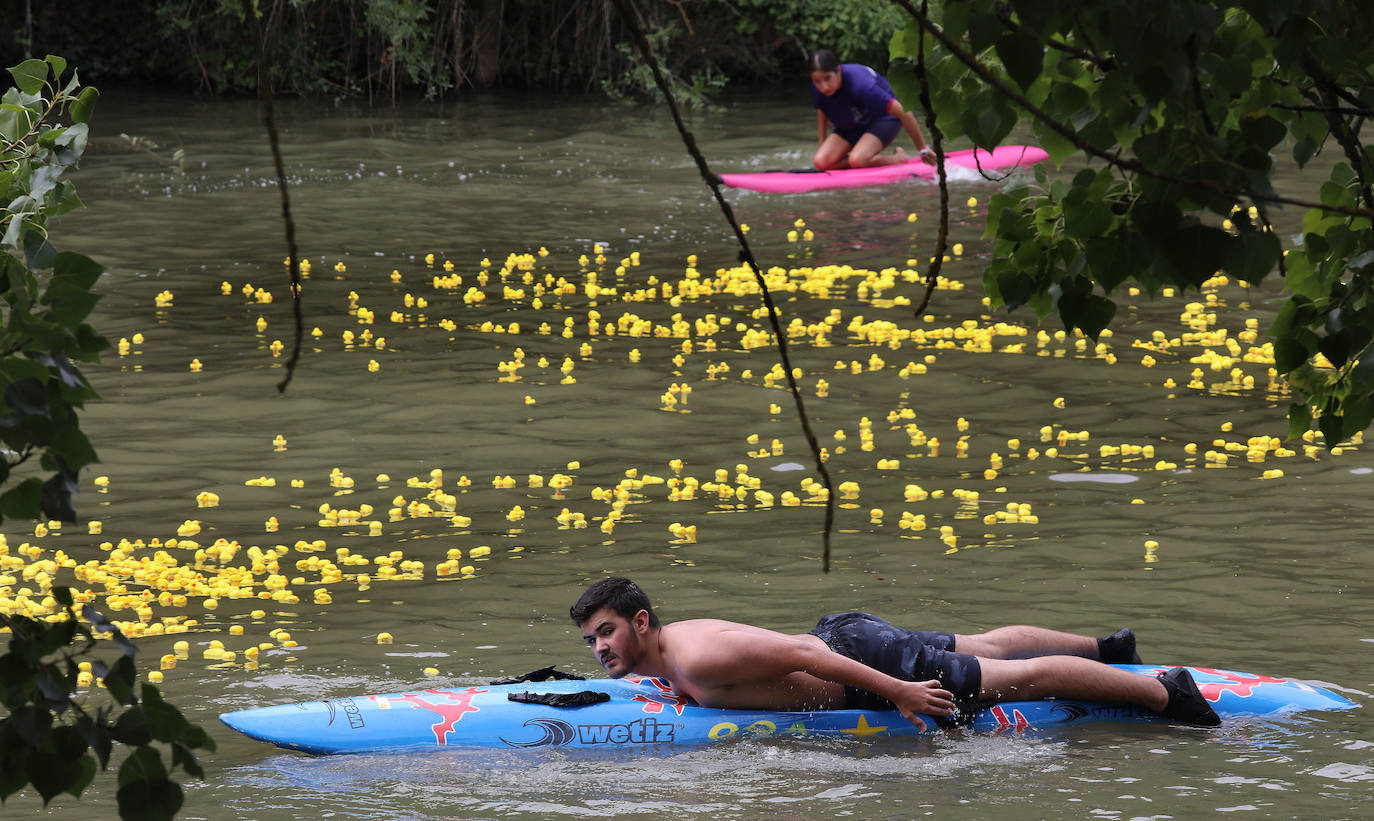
[(885, 128), (910, 655)]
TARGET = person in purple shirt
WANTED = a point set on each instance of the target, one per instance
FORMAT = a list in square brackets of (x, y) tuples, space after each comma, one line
[(866, 114)]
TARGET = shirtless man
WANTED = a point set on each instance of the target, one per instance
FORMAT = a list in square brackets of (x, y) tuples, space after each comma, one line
[(855, 660)]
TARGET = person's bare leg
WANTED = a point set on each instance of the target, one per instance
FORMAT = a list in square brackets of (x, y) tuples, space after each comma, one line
[(832, 154), (867, 152), (1067, 677), (1023, 641), (1173, 693)]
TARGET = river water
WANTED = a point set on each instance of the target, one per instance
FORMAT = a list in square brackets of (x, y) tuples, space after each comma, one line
[(1218, 548)]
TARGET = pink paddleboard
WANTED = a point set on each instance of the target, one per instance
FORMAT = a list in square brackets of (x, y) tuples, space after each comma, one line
[(800, 182)]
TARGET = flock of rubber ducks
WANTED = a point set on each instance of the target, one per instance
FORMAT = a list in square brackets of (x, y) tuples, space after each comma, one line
[(179, 584)]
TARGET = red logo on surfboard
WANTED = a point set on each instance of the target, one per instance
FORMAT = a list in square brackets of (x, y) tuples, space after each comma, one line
[(1016, 720), (451, 711), (1242, 684), (665, 697)]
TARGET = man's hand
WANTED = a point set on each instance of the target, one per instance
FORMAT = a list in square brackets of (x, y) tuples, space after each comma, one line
[(928, 155), (923, 697)]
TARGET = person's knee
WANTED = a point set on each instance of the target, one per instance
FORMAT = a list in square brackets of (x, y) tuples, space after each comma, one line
[(824, 162), (999, 643), (860, 160)]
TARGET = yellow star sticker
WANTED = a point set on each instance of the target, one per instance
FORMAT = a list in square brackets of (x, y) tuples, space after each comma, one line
[(863, 729)]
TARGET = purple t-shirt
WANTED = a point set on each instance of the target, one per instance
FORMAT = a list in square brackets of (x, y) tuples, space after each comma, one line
[(862, 97)]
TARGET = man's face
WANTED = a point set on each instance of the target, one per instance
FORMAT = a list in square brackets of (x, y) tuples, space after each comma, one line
[(826, 82), (614, 640)]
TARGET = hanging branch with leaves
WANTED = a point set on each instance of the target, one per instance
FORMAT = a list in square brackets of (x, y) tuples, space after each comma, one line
[(1183, 113)]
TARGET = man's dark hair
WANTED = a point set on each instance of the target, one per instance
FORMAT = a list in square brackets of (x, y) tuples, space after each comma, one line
[(621, 595), (823, 59)]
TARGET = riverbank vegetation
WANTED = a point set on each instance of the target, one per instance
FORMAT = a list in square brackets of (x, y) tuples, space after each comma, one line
[(385, 48)]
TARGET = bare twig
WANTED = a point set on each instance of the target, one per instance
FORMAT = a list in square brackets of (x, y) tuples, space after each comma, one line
[(631, 15), (270, 123), (937, 138)]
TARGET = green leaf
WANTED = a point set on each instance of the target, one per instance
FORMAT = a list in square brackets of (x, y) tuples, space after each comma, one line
[(51, 684), (12, 777), (38, 252), (1013, 225), (59, 65), (1335, 347), (1356, 414), (74, 448), (56, 501), (1085, 217), (23, 501), (1252, 255), (1289, 354), (101, 623), (84, 106), (30, 76), (120, 681), (71, 303), (902, 77), (1304, 149), (165, 722), (1299, 420), (63, 595), (52, 774), (1014, 288), (1113, 259), (77, 269), (1196, 252), (983, 29), (143, 764), (32, 724), (27, 396), (954, 18), (132, 728), (1263, 132), (184, 757), (149, 800), (1023, 55), (1332, 426), (988, 120), (97, 735), (1079, 307), (1059, 147)]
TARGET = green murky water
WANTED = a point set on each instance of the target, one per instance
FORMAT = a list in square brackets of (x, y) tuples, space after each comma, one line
[(1251, 573)]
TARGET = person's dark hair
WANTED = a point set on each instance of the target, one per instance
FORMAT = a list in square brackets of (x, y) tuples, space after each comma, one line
[(823, 59), (621, 595)]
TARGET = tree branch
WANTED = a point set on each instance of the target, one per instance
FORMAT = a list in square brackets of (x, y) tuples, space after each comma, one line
[(1328, 89)]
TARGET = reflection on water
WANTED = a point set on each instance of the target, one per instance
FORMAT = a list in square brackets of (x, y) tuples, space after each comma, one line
[(784, 779), (1228, 546)]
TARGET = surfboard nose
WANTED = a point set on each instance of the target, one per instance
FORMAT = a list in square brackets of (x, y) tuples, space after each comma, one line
[(255, 723), (277, 724)]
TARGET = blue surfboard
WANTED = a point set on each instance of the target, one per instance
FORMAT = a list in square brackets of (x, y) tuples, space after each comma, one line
[(645, 712)]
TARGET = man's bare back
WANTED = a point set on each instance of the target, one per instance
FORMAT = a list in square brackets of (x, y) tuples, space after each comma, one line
[(701, 657), (727, 664)]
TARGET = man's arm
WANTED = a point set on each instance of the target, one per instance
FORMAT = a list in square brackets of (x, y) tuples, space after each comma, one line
[(734, 657), (822, 125)]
